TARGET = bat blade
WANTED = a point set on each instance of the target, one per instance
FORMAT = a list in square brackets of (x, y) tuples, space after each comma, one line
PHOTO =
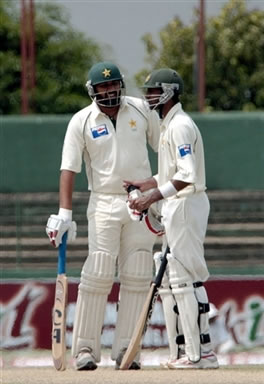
[(59, 312), (144, 317), (59, 323), (135, 341)]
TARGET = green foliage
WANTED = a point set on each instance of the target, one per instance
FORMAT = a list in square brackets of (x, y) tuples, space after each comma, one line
[(63, 58), (234, 58), (176, 52)]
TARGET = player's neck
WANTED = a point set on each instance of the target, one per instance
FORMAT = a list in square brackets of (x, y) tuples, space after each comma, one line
[(111, 112)]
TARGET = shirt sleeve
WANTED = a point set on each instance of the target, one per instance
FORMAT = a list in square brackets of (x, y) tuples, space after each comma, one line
[(153, 132), (156, 177), (73, 146), (184, 139)]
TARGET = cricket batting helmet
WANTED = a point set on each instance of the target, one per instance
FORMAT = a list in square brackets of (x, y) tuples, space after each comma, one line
[(100, 73), (168, 81)]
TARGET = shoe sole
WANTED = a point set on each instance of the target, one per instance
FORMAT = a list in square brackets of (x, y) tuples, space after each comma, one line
[(192, 367), (90, 366), (133, 367)]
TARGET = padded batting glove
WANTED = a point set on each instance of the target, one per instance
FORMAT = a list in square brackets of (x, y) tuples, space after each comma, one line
[(133, 193), (57, 225), (153, 220)]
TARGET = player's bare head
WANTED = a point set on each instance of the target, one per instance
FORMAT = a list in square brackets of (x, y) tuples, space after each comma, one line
[(162, 85), (105, 84)]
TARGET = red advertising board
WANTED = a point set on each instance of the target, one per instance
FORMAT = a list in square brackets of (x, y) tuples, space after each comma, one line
[(26, 313)]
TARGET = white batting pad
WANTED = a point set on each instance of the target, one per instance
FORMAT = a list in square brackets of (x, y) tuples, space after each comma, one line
[(202, 297), (183, 291), (135, 279), (96, 282)]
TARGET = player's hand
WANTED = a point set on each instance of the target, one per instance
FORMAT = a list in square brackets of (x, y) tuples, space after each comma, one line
[(133, 193), (57, 226), (140, 204), (144, 202), (142, 185)]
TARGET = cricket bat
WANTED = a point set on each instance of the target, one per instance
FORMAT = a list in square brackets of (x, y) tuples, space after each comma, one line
[(59, 310), (145, 316)]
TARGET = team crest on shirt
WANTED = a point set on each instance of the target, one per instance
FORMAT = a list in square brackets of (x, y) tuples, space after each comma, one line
[(99, 130), (133, 125), (185, 149)]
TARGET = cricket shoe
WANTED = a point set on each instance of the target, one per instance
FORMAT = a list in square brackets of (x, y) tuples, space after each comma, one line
[(208, 361), (165, 364), (172, 359), (85, 360), (135, 365)]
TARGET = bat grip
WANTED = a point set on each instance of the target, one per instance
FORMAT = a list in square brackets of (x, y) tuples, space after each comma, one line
[(62, 255), (162, 268)]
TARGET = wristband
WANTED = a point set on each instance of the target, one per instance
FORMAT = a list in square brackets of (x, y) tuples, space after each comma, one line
[(167, 189), (65, 214)]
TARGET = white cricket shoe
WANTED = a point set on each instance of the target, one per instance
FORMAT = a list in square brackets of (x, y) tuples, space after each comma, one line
[(208, 361), (165, 364), (85, 360), (172, 359)]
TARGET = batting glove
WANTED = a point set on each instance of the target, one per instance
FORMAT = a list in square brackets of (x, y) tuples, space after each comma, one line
[(133, 193), (57, 225)]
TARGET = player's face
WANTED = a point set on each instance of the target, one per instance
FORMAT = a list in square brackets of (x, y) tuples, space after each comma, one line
[(108, 94), (152, 96)]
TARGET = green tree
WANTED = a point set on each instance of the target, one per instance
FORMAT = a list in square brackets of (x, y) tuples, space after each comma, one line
[(234, 58), (176, 52), (63, 58)]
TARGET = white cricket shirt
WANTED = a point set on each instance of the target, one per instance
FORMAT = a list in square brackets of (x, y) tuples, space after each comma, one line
[(111, 155), (181, 153)]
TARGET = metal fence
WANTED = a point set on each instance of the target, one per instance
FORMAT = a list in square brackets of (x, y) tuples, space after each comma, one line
[(234, 241)]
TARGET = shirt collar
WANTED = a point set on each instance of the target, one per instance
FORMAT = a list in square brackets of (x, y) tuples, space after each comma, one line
[(97, 111), (176, 108)]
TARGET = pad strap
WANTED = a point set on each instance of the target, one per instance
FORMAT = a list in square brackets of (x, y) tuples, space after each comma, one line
[(204, 338), (203, 308), (198, 284)]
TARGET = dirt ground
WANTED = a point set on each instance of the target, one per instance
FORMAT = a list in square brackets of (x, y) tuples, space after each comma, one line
[(36, 367), (250, 374)]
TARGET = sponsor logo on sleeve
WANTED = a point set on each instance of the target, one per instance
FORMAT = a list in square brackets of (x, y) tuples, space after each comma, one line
[(185, 149)]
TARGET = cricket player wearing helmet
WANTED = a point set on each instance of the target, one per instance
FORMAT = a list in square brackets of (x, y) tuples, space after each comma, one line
[(180, 184), (111, 136)]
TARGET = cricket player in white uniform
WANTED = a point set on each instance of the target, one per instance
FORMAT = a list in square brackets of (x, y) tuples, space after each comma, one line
[(111, 136), (180, 184)]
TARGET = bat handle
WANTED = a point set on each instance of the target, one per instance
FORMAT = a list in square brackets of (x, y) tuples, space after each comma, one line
[(62, 255)]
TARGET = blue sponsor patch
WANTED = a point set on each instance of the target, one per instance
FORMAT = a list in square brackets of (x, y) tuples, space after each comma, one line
[(185, 149), (100, 130)]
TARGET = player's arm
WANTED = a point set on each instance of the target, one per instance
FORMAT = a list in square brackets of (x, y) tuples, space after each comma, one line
[(71, 164), (184, 140), (168, 189), (66, 188), (142, 185), (153, 132)]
